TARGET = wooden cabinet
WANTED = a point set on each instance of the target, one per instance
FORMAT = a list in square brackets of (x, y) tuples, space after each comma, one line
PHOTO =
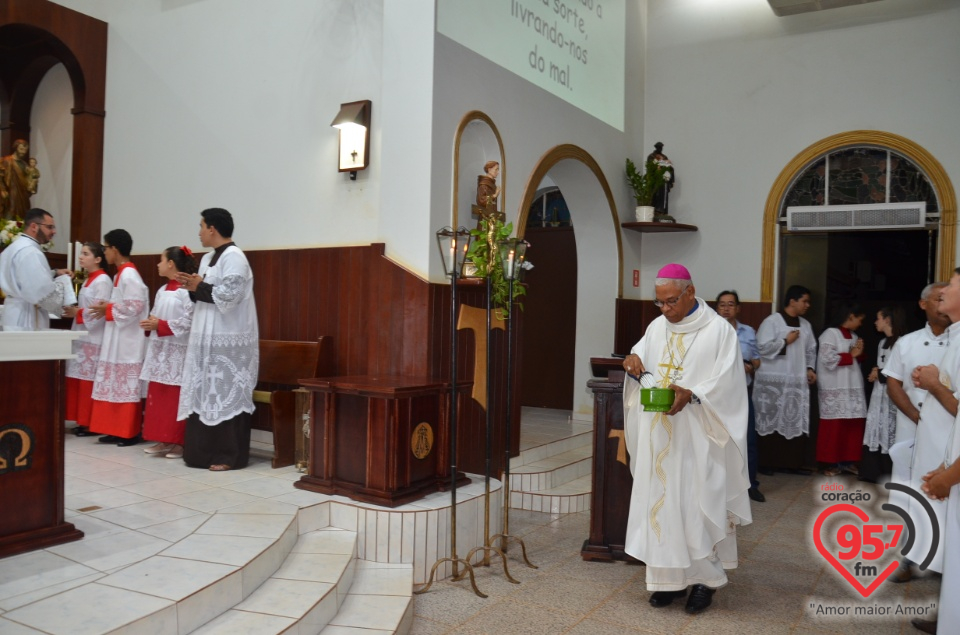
[(32, 442), (379, 439)]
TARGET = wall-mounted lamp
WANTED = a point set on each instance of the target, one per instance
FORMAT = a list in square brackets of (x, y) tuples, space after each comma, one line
[(353, 122)]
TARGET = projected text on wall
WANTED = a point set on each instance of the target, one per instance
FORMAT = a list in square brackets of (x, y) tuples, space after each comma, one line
[(571, 48)]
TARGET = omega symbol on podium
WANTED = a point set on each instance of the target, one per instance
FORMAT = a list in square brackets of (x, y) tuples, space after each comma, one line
[(16, 447), (421, 441)]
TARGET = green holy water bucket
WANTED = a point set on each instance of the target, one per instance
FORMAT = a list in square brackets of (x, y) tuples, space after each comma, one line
[(656, 399)]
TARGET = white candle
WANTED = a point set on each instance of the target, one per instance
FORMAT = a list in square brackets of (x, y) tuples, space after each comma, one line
[(76, 255), (70, 256)]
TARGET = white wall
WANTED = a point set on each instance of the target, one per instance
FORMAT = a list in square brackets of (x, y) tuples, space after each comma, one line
[(531, 122), (735, 93), (228, 103), (51, 143)]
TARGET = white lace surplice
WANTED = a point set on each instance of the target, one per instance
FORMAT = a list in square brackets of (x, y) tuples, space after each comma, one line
[(98, 288), (121, 355), (840, 388), (166, 355), (882, 413), (223, 356), (781, 394)]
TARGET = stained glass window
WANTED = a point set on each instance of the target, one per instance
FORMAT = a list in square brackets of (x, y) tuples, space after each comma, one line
[(859, 176)]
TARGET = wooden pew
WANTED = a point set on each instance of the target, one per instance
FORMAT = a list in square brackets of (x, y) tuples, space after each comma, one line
[(282, 366)]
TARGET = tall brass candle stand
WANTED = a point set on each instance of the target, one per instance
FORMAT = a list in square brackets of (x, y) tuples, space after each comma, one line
[(453, 250), (487, 545), (513, 252)]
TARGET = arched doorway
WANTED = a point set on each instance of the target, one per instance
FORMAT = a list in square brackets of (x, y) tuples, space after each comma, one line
[(37, 35), (872, 266), (599, 254)]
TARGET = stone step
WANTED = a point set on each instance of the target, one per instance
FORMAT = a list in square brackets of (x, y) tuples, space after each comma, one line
[(380, 601), (541, 452), (568, 498), (552, 471), (303, 595)]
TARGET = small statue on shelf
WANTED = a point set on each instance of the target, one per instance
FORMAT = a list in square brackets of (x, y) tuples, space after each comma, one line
[(661, 198)]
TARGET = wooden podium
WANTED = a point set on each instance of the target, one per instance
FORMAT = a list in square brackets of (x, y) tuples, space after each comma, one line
[(612, 481), (379, 439), (31, 440)]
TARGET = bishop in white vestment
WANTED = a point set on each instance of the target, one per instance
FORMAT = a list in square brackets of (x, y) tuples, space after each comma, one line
[(689, 464)]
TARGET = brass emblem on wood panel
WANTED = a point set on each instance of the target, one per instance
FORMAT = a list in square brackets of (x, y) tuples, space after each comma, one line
[(16, 447), (421, 442)]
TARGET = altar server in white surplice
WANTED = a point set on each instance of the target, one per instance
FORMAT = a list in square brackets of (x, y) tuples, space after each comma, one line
[(788, 354), (117, 390), (689, 464), (223, 354), (82, 371), (26, 278)]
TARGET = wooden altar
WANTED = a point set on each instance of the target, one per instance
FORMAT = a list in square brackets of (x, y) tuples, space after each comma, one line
[(612, 481), (31, 440), (379, 439)]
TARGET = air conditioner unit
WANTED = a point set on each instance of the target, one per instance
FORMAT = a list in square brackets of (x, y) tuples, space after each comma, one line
[(852, 217), (793, 7)]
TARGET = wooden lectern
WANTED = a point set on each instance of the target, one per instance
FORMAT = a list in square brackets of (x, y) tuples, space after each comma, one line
[(31, 440), (612, 481), (379, 439)]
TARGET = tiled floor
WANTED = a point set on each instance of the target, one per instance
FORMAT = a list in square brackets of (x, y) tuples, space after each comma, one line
[(137, 506), (780, 577)]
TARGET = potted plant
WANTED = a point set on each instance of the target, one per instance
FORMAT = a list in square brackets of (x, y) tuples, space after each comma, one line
[(484, 253), (645, 186)]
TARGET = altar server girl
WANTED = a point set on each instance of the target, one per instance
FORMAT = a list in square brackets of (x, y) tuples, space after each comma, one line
[(82, 370), (169, 327)]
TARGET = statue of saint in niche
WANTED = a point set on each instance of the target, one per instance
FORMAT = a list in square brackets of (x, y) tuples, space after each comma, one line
[(487, 189), (16, 184)]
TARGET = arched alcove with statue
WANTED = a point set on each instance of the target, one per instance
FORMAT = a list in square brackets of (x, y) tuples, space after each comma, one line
[(38, 35)]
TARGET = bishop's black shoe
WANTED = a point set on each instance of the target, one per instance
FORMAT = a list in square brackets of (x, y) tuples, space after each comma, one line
[(109, 438), (659, 599), (84, 431), (756, 495), (700, 598), (125, 443)]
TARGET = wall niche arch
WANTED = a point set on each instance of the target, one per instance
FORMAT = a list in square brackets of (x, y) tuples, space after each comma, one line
[(477, 141), (37, 35), (926, 162)]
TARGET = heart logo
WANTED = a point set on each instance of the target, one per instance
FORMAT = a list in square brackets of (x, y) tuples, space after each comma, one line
[(876, 543)]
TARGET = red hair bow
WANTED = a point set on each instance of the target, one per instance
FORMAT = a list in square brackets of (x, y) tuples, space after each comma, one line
[(187, 251)]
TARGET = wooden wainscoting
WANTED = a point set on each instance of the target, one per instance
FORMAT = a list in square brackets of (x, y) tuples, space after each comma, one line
[(384, 321)]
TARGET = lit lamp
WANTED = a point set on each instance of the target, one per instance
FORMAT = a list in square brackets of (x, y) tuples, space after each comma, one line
[(453, 246), (513, 252), (353, 122)]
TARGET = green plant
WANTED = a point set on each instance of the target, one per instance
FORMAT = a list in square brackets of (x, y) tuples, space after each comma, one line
[(645, 185), (484, 253)]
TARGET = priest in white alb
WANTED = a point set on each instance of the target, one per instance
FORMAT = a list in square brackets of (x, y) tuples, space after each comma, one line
[(689, 464), (27, 280)]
